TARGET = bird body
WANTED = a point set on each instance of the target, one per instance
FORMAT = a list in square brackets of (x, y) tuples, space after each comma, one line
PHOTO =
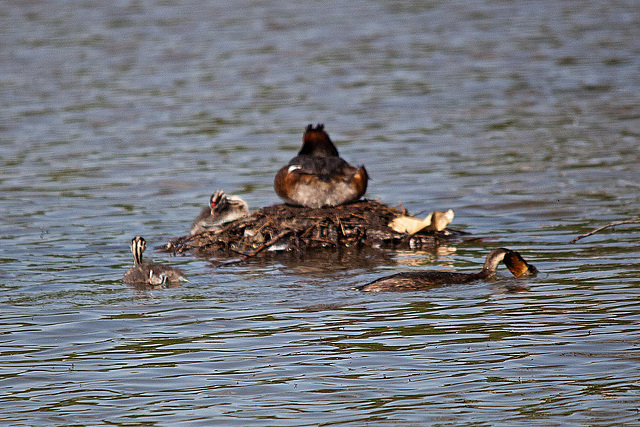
[(423, 280), (222, 209), (144, 272), (318, 176)]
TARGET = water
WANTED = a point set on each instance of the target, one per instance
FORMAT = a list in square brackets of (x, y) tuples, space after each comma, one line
[(121, 118)]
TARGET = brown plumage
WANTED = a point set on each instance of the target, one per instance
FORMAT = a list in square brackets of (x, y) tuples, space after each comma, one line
[(423, 280), (317, 176), (518, 266)]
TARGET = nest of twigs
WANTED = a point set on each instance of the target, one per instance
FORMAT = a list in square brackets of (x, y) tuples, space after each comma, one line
[(292, 228)]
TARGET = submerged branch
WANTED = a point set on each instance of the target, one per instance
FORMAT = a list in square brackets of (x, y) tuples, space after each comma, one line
[(267, 245), (612, 224)]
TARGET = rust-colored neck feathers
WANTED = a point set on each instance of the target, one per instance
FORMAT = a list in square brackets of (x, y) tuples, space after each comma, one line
[(518, 266)]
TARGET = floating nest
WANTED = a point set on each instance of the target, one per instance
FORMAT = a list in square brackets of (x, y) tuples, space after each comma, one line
[(298, 229)]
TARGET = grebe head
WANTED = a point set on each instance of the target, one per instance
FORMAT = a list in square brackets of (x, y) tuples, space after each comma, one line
[(159, 280), (518, 266), (316, 142), (218, 202), (138, 245)]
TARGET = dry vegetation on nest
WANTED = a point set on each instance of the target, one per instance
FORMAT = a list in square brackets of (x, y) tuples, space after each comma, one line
[(294, 228)]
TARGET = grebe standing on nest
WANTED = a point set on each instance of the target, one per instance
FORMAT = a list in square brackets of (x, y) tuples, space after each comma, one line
[(318, 176), (222, 209), (150, 272), (422, 280)]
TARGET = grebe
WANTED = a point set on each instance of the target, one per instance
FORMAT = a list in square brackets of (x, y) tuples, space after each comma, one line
[(159, 280), (317, 176), (518, 266), (144, 272), (422, 280), (222, 209)]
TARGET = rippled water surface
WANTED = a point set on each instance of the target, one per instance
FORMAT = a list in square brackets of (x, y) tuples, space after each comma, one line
[(121, 118)]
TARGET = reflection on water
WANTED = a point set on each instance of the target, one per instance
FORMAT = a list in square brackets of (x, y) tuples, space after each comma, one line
[(121, 118)]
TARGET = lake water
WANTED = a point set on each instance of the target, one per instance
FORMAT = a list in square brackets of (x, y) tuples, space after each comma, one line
[(121, 118)]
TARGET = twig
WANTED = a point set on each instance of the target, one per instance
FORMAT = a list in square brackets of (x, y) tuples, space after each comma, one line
[(262, 227), (341, 226), (613, 224), (304, 233), (230, 262), (271, 242)]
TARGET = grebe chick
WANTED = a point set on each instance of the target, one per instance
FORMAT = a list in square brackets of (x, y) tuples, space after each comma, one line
[(222, 209), (422, 280), (159, 280), (143, 272), (318, 176)]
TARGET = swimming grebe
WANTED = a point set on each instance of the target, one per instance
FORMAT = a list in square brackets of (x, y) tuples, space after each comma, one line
[(518, 266), (317, 176), (157, 280), (422, 280), (144, 272), (222, 209)]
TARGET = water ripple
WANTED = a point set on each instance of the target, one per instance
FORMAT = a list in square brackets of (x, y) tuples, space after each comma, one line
[(121, 118)]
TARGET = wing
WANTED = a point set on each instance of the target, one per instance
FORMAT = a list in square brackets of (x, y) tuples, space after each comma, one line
[(325, 168)]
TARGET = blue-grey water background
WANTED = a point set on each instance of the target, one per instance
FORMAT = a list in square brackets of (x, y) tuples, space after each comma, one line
[(120, 118)]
